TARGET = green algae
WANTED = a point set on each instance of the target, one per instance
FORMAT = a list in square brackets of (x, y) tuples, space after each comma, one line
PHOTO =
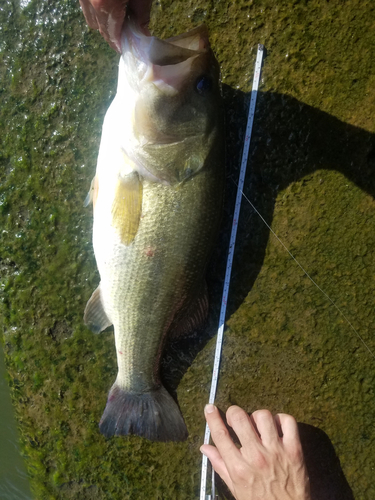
[(312, 177)]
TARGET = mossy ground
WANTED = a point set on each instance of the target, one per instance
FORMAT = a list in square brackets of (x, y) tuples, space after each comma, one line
[(311, 176)]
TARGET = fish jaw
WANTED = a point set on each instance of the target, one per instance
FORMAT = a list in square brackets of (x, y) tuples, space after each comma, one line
[(165, 63), (174, 99)]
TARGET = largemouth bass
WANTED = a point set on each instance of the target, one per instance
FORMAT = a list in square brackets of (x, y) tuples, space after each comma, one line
[(157, 198)]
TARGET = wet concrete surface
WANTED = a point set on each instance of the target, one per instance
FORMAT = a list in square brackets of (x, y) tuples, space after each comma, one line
[(310, 175)]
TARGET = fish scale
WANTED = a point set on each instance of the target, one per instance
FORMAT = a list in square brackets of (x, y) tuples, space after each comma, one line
[(147, 291), (157, 196)]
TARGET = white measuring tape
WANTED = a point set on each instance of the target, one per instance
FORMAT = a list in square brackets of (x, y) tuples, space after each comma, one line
[(219, 341)]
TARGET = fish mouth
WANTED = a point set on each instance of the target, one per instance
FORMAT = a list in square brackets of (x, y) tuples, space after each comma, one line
[(178, 49), (164, 63)]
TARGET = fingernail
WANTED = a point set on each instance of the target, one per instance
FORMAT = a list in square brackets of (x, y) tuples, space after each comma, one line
[(200, 449), (209, 408)]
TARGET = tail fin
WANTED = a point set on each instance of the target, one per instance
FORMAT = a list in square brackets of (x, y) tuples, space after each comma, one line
[(153, 415)]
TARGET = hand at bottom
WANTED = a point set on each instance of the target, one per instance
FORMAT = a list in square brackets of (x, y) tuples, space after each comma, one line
[(270, 463)]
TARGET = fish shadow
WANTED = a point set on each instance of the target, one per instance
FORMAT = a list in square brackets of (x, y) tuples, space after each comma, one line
[(290, 140), (327, 480)]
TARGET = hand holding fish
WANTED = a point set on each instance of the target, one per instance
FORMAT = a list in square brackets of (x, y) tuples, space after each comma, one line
[(270, 463), (108, 17)]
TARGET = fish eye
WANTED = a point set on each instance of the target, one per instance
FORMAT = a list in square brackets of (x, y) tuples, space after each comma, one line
[(203, 84)]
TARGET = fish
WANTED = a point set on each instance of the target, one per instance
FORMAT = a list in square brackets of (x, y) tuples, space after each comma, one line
[(157, 201)]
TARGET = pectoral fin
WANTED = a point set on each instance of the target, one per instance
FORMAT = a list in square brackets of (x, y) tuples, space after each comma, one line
[(93, 193), (127, 207), (95, 317)]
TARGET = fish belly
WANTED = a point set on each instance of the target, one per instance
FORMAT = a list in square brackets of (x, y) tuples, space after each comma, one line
[(143, 286)]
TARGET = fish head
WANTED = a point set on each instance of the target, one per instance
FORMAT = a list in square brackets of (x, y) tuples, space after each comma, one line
[(176, 92)]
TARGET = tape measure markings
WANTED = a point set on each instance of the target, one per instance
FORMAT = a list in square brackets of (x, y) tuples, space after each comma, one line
[(219, 341)]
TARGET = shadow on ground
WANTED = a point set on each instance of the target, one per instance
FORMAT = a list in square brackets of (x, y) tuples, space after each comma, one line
[(327, 479), (290, 141)]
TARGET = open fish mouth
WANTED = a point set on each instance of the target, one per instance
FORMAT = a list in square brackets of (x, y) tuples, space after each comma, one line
[(165, 63)]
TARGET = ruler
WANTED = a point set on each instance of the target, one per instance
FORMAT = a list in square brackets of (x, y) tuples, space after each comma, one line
[(220, 333)]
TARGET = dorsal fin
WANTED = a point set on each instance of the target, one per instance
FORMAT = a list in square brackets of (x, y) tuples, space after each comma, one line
[(193, 318)]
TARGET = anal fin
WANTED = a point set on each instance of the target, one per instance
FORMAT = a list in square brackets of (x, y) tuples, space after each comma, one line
[(94, 316)]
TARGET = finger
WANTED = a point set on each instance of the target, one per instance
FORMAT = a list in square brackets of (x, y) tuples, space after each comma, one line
[(89, 13), (241, 423), (141, 11), (291, 440), (110, 15), (278, 426), (115, 22), (217, 462), (220, 435), (266, 427)]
